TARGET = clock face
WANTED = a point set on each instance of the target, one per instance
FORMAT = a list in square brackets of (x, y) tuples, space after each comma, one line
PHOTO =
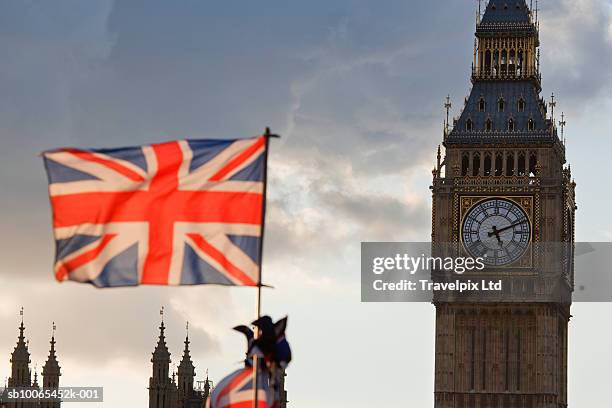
[(497, 230)]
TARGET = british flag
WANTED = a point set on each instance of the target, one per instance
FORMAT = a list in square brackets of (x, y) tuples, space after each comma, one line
[(236, 391), (177, 213)]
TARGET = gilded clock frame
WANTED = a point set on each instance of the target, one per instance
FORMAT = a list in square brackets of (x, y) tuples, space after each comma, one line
[(525, 202)]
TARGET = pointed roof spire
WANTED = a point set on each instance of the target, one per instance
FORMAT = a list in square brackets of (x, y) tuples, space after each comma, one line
[(35, 383), (21, 353), (502, 17), (207, 384), (186, 366), (52, 367), (161, 352), (506, 11), (21, 327), (186, 351)]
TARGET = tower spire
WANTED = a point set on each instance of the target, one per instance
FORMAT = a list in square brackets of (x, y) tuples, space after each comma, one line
[(20, 359), (186, 370), (35, 383), (161, 388), (562, 124), (552, 105), (51, 371), (447, 105)]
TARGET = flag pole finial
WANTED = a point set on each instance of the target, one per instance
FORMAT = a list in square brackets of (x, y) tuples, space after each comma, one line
[(268, 133)]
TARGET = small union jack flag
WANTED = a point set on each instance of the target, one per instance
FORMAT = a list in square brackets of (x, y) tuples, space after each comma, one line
[(177, 213), (236, 391)]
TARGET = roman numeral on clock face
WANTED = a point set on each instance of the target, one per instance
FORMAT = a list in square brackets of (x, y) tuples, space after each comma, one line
[(497, 229)]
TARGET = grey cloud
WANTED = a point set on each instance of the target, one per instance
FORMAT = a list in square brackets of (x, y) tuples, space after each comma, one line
[(355, 87), (379, 218), (96, 327), (577, 51)]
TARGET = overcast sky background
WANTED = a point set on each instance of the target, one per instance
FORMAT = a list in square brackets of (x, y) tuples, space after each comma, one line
[(356, 90)]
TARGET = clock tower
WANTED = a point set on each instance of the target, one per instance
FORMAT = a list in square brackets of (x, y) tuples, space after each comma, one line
[(502, 192)]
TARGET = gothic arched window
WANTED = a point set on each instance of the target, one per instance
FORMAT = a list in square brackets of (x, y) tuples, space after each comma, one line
[(489, 125), (511, 125), (501, 104), (469, 125), (499, 164), (509, 164), (521, 164), (533, 161), (476, 164), (481, 105), (521, 105), (487, 164), (465, 164), (531, 124)]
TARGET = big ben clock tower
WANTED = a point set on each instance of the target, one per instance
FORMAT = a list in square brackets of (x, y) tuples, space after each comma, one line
[(502, 193)]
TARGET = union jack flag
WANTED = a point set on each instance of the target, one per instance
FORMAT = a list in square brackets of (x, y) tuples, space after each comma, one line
[(236, 391), (177, 213)]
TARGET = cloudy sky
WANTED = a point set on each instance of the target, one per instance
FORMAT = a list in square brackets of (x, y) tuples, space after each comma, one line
[(356, 88)]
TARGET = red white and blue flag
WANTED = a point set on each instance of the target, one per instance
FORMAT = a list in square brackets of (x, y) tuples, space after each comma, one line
[(176, 213), (236, 391)]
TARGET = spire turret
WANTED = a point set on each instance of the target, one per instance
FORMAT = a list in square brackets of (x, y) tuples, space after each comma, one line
[(505, 103), (51, 370), (186, 370), (207, 386), (507, 40), (161, 354), (35, 383), (161, 388), (510, 13), (20, 360)]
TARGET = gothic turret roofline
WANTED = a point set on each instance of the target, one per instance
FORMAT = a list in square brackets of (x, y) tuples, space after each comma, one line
[(51, 366), (504, 105), (174, 389), (506, 12), (186, 364), (21, 352), (507, 16), (161, 352), (503, 112)]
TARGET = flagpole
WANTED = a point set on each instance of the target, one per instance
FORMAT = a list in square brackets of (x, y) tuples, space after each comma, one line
[(267, 135)]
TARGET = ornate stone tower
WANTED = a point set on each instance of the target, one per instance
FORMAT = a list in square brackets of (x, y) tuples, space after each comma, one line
[(502, 193), (21, 376), (166, 392), (186, 376), (20, 362), (51, 373), (162, 392)]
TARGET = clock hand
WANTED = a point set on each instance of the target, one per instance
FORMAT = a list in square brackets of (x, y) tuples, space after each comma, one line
[(499, 241), (496, 231)]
